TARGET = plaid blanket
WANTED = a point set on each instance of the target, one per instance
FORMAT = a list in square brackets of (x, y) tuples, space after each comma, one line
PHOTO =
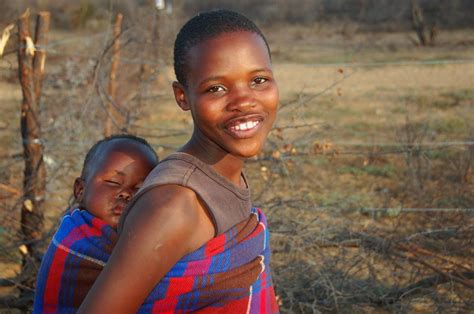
[(229, 274), (74, 259)]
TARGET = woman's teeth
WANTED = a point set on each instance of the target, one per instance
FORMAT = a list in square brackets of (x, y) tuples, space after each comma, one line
[(245, 125)]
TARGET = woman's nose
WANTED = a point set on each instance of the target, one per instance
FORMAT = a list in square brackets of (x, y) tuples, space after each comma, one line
[(242, 99)]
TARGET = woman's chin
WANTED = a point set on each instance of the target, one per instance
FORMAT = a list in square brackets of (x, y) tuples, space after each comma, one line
[(248, 152)]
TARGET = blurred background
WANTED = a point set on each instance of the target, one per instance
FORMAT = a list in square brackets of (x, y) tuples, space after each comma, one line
[(367, 176)]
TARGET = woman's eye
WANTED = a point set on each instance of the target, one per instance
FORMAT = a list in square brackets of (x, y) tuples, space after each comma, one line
[(215, 89), (260, 80)]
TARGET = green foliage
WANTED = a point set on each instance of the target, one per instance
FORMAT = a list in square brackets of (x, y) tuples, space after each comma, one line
[(438, 154), (320, 161), (461, 94), (441, 101), (377, 171), (460, 201), (449, 126), (360, 126), (399, 110), (352, 201)]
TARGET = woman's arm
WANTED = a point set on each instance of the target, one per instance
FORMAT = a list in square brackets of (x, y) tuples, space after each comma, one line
[(165, 224)]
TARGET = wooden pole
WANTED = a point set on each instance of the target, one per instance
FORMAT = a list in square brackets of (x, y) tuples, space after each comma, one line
[(115, 119), (31, 70), (41, 40), (144, 68)]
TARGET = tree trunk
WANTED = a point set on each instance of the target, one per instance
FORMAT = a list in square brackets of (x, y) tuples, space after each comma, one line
[(418, 22)]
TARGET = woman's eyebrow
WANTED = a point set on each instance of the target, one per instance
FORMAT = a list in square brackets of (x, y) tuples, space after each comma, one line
[(262, 70), (210, 79), (219, 77)]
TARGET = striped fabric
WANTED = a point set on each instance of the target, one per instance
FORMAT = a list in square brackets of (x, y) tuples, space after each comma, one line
[(229, 274), (74, 259)]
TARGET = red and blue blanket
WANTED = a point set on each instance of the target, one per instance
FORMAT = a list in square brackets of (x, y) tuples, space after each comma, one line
[(230, 274), (74, 259)]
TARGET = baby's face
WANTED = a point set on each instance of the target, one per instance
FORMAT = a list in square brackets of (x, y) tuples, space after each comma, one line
[(114, 181)]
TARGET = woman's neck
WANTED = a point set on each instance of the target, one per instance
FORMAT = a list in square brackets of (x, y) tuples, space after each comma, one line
[(207, 151)]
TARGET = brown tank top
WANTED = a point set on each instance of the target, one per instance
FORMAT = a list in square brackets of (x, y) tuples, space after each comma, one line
[(227, 204)]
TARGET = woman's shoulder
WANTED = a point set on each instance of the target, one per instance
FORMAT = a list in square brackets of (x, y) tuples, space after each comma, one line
[(167, 195), (167, 210), (158, 198), (174, 169)]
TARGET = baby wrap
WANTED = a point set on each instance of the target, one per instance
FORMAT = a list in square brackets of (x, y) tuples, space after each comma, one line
[(74, 259), (229, 274)]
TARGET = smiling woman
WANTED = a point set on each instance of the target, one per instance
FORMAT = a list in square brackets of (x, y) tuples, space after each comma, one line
[(190, 239)]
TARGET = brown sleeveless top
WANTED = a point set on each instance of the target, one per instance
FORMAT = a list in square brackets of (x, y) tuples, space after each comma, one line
[(227, 204)]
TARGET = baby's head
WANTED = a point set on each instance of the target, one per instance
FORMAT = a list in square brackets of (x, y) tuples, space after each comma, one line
[(114, 169), (224, 77)]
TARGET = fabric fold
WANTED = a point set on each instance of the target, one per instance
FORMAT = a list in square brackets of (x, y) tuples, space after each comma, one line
[(229, 274), (74, 259)]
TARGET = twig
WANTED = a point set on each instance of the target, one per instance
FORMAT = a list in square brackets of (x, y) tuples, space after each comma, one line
[(10, 189), (305, 100), (413, 248), (416, 288)]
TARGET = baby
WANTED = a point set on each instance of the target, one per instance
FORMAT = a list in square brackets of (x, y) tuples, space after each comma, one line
[(113, 171)]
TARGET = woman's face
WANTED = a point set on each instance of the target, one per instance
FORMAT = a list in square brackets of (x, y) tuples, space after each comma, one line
[(231, 92)]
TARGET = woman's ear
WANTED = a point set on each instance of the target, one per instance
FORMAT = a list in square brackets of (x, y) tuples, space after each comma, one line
[(180, 96), (79, 186)]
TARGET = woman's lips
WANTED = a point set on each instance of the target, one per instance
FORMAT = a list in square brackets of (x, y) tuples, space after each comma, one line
[(244, 127)]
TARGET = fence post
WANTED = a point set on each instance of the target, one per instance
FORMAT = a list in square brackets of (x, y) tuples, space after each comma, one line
[(115, 118), (31, 69), (41, 40)]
